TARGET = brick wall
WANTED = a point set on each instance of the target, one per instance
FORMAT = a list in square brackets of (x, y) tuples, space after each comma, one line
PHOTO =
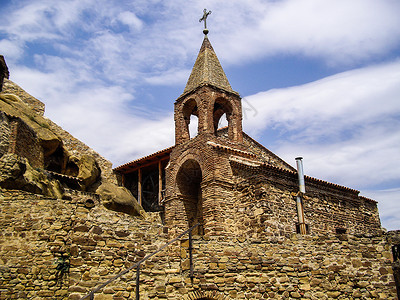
[(23, 142), (4, 134)]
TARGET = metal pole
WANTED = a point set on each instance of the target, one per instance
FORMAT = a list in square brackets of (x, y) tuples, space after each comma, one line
[(190, 253), (140, 186), (299, 198), (300, 215), (300, 173), (137, 281)]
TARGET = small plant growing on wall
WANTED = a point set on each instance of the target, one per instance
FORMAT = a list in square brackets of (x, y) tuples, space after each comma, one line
[(62, 267)]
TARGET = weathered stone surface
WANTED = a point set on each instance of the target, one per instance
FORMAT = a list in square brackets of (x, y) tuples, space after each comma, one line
[(89, 172), (119, 199), (16, 173), (12, 105)]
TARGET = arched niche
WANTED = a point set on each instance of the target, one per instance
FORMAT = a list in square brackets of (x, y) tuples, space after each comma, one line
[(188, 180)]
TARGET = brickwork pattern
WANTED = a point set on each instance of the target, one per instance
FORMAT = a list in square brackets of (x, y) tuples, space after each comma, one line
[(4, 133), (23, 142), (208, 102)]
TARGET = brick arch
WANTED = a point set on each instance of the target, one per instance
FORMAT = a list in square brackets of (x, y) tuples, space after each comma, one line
[(184, 110), (188, 177), (221, 106), (206, 295), (229, 106), (191, 154)]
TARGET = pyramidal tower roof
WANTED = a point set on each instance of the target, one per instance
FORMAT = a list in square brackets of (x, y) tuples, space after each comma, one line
[(207, 70)]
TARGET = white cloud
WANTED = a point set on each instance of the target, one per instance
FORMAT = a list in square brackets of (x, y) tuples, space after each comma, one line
[(340, 123), (130, 19), (101, 116), (388, 205), (12, 51), (168, 78), (338, 31)]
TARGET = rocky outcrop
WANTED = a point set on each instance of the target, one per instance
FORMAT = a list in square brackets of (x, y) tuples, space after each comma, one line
[(40, 157), (120, 199), (4, 73), (17, 173), (13, 106), (88, 170)]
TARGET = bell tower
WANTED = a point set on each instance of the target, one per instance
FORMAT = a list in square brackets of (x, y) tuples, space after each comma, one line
[(208, 95), (199, 176)]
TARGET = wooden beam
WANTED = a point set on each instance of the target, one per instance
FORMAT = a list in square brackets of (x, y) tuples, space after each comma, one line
[(137, 166), (159, 182), (140, 186)]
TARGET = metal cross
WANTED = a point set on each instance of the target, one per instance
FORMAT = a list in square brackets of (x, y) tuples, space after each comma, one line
[(204, 18)]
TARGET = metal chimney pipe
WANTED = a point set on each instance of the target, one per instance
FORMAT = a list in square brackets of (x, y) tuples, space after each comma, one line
[(300, 174), (299, 200)]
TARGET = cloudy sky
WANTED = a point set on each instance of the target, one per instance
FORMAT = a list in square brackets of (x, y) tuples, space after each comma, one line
[(319, 79)]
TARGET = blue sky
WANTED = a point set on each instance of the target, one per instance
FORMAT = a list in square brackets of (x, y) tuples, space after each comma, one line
[(319, 79)]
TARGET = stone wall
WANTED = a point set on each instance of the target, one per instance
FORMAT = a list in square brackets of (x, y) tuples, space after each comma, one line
[(35, 231), (265, 203)]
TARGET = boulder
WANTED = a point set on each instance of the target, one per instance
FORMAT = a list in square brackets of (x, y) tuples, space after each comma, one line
[(16, 173), (120, 199), (89, 171)]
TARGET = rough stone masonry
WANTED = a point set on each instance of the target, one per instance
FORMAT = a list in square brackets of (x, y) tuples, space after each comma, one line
[(64, 230)]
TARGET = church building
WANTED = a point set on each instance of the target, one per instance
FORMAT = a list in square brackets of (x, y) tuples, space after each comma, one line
[(228, 182)]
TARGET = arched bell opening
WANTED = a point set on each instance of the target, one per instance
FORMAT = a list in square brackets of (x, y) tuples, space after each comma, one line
[(222, 114), (193, 126), (188, 180), (190, 116)]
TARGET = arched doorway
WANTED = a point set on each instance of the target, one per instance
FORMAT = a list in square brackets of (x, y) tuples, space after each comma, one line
[(188, 180)]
